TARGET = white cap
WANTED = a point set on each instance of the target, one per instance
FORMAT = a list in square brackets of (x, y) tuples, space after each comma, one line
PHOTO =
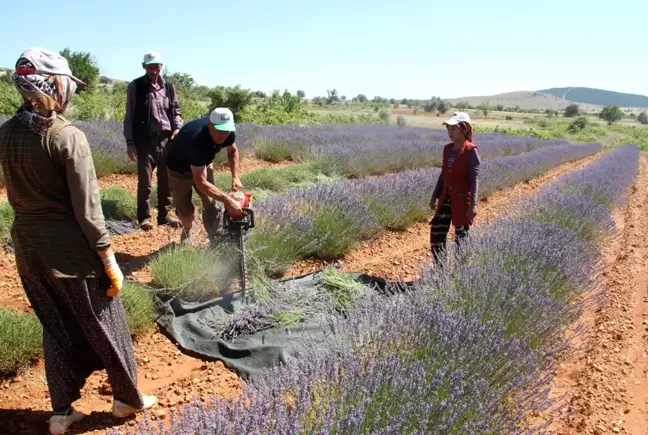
[(222, 119), (151, 58), (458, 117), (45, 62)]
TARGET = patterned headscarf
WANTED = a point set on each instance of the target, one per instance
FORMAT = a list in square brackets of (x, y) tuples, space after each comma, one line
[(467, 130), (45, 95)]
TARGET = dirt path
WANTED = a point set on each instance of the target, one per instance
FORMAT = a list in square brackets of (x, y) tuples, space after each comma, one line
[(175, 377), (606, 387), (398, 255)]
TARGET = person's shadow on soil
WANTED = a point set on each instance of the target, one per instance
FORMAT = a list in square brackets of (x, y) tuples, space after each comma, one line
[(23, 421)]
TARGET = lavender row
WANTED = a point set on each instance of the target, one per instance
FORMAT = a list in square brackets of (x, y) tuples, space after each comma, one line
[(328, 220), (361, 150), (347, 150), (469, 350)]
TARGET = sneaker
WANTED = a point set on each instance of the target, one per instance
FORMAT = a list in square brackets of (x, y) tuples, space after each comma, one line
[(122, 410), (146, 225), (170, 221), (59, 424)]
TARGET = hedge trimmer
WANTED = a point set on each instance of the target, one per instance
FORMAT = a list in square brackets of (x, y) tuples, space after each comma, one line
[(236, 224)]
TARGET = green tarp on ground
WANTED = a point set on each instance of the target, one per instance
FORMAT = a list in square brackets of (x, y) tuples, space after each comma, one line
[(249, 355)]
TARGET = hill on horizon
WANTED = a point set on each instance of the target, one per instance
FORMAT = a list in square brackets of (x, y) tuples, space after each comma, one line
[(597, 97), (525, 100)]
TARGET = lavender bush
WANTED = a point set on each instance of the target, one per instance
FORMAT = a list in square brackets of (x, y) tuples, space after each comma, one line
[(467, 351), (361, 150), (326, 221)]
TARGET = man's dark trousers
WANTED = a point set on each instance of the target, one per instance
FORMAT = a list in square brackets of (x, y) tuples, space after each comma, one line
[(150, 156)]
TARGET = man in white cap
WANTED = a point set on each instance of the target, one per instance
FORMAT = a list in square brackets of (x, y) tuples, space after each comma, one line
[(152, 117), (189, 158)]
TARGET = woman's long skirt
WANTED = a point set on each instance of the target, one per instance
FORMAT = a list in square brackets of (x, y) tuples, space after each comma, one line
[(83, 330)]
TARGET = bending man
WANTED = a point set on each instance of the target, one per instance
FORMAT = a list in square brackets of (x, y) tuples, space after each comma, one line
[(189, 158)]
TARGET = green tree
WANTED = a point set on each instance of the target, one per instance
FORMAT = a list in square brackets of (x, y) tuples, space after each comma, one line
[(643, 118), (319, 101), (332, 97), (234, 98), (571, 111), (485, 108), (84, 67), (181, 81), (301, 94), (10, 100), (362, 98), (611, 114)]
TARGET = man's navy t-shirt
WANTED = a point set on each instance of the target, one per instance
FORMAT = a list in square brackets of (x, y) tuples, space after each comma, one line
[(194, 146)]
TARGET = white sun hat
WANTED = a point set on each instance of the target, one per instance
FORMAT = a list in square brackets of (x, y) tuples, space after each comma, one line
[(222, 119), (458, 117), (151, 58)]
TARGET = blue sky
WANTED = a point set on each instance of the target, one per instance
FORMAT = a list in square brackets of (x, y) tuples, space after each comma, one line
[(405, 48)]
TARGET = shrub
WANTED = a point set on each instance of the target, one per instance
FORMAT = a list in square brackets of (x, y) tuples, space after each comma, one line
[(21, 336), (139, 306), (384, 115), (6, 221), (279, 179), (509, 118), (579, 124), (235, 98), (196, 274), (118, 204), (401, 121), (571, 111), (643, 118)]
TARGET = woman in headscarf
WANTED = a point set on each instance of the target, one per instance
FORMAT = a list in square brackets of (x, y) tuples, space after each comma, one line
[(62, 247), (454, 199)]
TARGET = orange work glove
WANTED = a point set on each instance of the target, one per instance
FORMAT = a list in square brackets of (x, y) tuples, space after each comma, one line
[(114, 274)]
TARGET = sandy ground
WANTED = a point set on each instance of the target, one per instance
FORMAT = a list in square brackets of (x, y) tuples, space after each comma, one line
[(175, 377)]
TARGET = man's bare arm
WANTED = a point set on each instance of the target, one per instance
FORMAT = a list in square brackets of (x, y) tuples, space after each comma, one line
[(200, 179), (233, 160)]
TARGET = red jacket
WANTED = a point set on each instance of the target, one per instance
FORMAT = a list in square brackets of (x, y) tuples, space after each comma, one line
[(459, 183)]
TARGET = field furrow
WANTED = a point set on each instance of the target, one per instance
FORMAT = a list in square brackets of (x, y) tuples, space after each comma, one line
[(604, 387)]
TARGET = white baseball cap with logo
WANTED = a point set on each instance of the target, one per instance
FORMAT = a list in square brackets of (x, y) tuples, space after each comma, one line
[(458, 117), (152, 58), (222, 119), (47, 62)]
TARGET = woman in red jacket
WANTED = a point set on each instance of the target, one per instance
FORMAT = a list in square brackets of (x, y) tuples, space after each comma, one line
[(455, 195)]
